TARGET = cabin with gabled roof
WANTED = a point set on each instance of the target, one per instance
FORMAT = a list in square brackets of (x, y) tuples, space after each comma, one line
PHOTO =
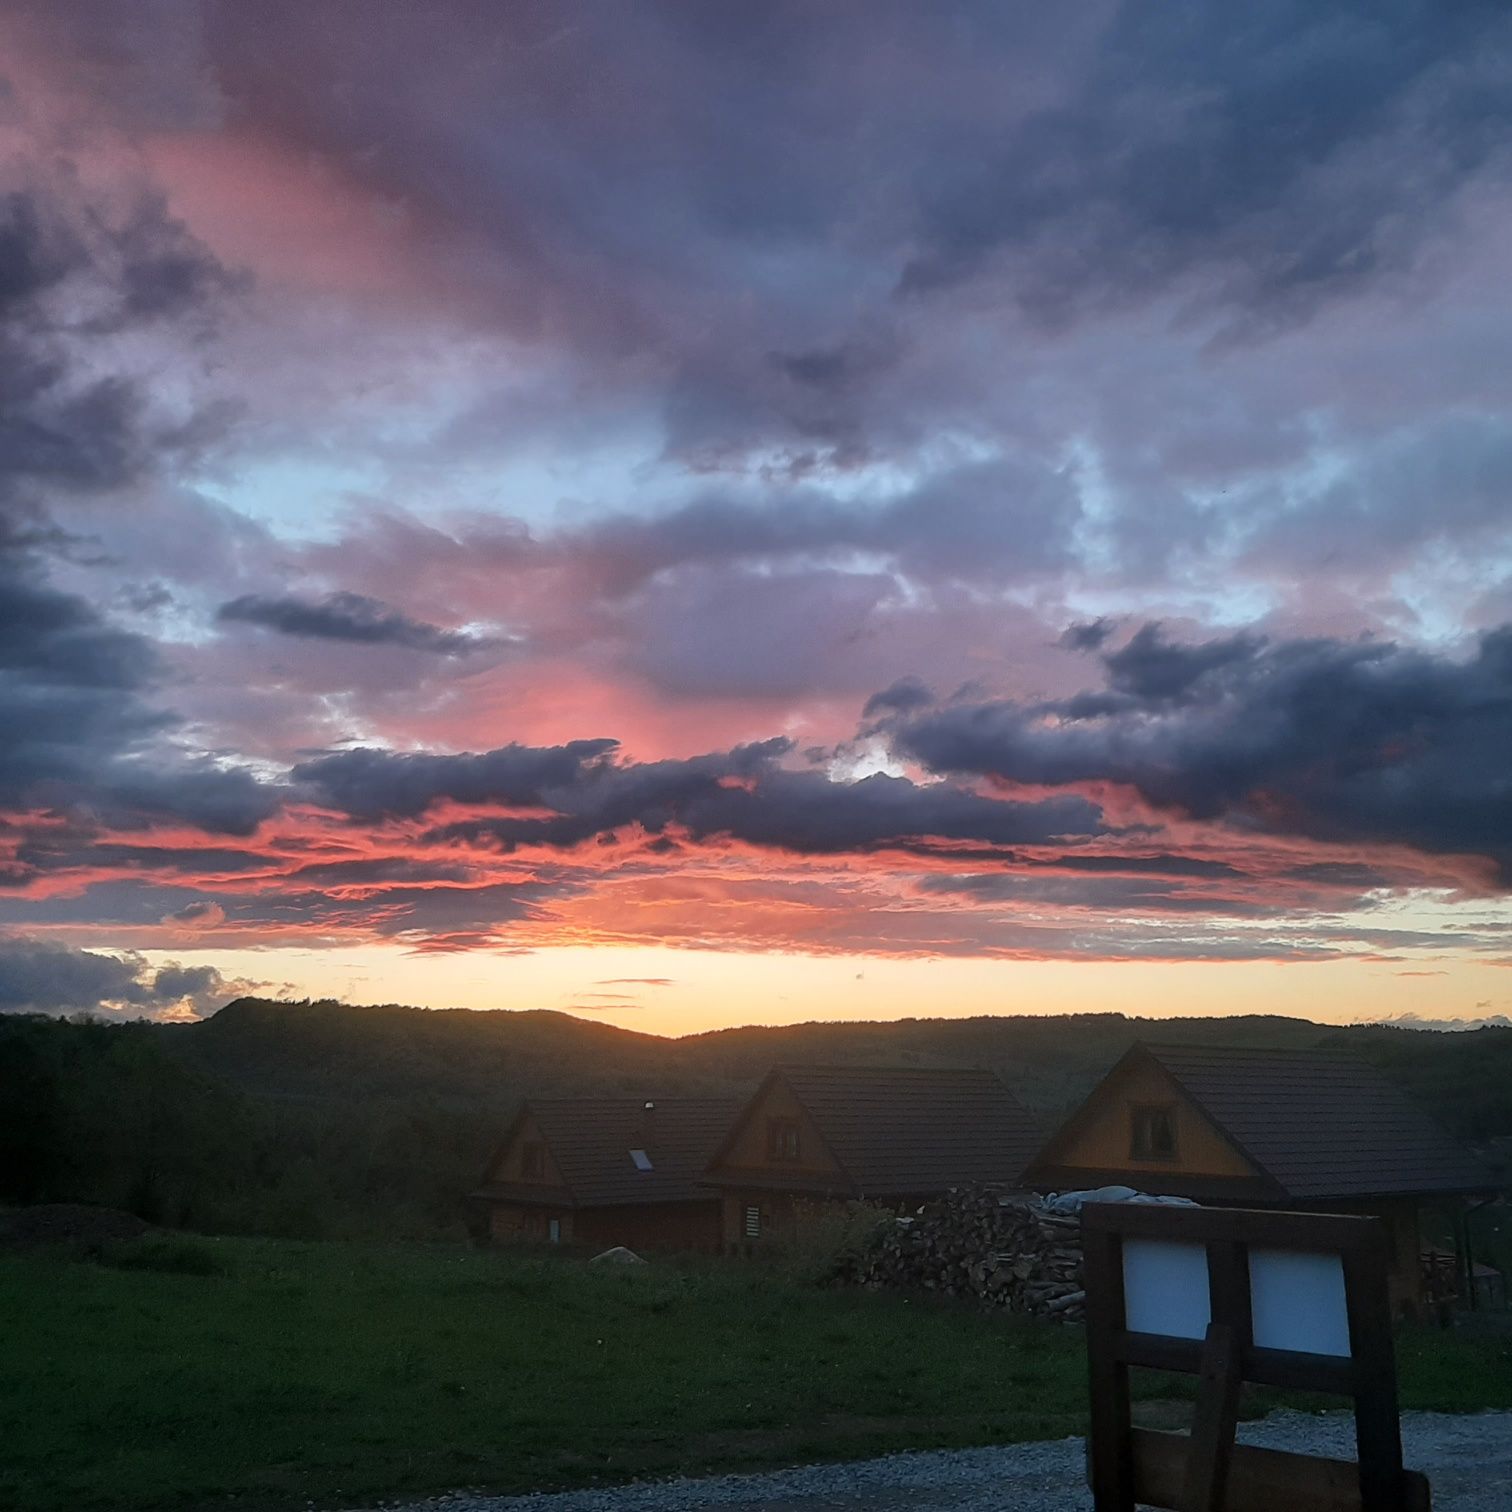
[(820, 1135), (1315, 1130), (603, 1171)]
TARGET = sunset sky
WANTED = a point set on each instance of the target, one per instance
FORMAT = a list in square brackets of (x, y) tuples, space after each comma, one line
[(708, 513)]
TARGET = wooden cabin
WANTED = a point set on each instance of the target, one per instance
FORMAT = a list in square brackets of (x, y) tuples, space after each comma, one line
[(1314, 1130), (820, 1135), (600, 1171)]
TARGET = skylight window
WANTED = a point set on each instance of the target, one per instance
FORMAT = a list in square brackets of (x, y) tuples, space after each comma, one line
[(641, 1159)]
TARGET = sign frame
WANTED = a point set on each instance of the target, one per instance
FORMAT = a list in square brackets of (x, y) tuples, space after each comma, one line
[(1205, 1471)]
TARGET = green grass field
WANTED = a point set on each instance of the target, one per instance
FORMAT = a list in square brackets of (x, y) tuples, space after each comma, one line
[(188, 1373)]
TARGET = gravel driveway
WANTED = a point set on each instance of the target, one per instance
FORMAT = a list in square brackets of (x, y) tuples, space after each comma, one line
[(1468, 1459)]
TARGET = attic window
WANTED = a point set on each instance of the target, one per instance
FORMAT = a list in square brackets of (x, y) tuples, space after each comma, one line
[(782, 1139), (1152, 1132), (641, 1159), (533, 1160)]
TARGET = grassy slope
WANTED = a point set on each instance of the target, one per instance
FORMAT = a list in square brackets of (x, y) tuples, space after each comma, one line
[(347, 1374)]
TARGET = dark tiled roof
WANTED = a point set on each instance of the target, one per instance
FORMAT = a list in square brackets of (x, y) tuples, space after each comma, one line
[(911, 1131), (591, 1138), (1322, 1123)]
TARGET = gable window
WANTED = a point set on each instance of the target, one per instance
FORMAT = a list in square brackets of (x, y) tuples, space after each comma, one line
[(753, 1223), (533, 1160), (782, 1139), (1152, 1131), (641, 1160)]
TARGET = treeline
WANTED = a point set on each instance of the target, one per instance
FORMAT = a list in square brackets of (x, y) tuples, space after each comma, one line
[(107, 1113), (1463, 1078)]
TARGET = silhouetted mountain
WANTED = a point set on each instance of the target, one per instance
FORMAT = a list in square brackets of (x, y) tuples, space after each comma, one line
[(338, 1051)]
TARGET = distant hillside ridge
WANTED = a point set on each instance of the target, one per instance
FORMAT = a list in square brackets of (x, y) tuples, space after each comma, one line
[(329, 1050)]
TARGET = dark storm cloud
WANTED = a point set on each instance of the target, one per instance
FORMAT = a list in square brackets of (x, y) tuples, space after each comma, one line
[(1087, 635), (61, 425), (903, 697), (163, 271), (372, 784), (38, 976), (54, 848), (807, 813), (744, 794), (381, 870), (79, 728), (1335, 740), (349, 617), (1151, 669), (1289, 155), (1156, 866)]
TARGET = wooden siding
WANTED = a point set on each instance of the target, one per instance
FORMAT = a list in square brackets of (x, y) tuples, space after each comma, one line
[(783, 1216), (525, 1223), (1099, 1141), (745, 1152), (668, 1227), (1401, 1216), (509, 1163)]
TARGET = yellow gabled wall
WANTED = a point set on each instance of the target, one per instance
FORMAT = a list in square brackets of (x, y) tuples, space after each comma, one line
[(1101, 1140), (509, 1163), (747, 1150)]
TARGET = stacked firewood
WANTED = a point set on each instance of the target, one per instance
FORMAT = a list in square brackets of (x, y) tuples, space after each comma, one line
[(981, 1245)]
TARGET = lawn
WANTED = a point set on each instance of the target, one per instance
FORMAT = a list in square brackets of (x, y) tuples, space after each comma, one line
[(342, 1374)]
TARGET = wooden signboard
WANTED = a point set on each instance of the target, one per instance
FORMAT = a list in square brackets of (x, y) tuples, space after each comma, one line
[(1294, 1300)]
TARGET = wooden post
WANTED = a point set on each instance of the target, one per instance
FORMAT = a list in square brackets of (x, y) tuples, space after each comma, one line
[(1229, 1288), (1110, 1438), (1378, 1429), (1212, 1439), (1473, 1295)]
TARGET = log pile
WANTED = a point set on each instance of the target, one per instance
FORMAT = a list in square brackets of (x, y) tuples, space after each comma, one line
[(977, 1244)]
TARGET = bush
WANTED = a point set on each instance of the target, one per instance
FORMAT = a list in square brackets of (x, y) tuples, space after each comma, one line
[(173, 1255), (830, 1237)]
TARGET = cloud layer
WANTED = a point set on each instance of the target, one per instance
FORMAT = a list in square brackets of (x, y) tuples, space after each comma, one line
[(842, 479)]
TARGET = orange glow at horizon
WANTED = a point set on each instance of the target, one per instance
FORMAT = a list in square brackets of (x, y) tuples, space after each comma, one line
[(665, 991)]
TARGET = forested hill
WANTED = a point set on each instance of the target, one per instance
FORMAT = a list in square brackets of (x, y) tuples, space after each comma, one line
[(339, 1052), (329, 1050), (328, 1119)]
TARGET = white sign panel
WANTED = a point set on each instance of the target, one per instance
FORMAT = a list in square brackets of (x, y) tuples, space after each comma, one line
[(1297, 1302), (1166, 1288)]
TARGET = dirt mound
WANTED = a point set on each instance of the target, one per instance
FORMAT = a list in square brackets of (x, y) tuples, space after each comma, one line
[(67, 1223)]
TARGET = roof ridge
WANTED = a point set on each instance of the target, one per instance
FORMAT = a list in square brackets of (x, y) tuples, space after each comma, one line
[(1221, 1081)]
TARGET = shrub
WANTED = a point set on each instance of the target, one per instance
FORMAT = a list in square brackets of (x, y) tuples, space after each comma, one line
[(829, 1237), (171, 1254)]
